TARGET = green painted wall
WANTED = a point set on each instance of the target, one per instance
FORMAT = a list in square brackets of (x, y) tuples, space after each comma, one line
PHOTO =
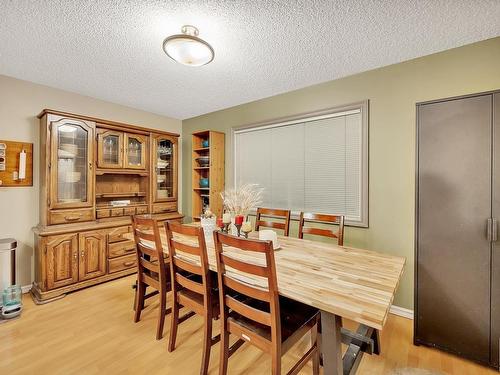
[(393, 92)]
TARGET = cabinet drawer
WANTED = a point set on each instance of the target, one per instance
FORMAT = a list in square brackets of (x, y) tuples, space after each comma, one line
[(116, 234), (71, 216), (118, 249), (141, 210), (159, 208), (122, 263), (103, 213), (117, 212), (129, 211)]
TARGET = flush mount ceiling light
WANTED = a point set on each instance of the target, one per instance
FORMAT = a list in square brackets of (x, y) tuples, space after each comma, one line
[(187, 48)]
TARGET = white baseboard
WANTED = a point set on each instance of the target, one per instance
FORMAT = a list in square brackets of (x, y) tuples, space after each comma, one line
[(401, 311), (26, 288)]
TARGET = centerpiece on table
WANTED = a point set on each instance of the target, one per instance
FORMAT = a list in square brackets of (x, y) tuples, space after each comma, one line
[(208, 223), (237, 203)]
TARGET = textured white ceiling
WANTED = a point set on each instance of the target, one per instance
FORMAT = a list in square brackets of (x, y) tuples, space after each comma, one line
[(111, 49)]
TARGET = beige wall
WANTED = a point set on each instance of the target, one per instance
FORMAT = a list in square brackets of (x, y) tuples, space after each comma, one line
[(393, 92), (20, 103)]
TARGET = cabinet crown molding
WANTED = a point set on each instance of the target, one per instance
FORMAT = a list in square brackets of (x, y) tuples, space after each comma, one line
[(107, 123)]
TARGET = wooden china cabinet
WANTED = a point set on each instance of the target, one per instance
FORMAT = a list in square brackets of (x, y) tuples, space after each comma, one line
[(94, 176)]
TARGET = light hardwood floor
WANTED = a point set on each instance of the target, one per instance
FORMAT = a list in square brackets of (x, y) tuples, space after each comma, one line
[(92, 332)]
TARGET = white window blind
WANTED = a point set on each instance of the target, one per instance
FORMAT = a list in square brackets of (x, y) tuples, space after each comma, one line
[(316, 164)]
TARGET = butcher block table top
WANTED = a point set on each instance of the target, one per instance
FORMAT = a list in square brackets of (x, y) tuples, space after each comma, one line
[(355, 284)]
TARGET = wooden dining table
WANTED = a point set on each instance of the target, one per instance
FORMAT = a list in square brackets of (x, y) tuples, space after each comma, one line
[(342, 282)]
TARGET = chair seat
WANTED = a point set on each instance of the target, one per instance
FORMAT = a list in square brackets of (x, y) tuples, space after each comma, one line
[(295, 317)]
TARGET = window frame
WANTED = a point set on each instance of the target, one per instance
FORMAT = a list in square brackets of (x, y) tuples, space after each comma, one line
[(361, 107)]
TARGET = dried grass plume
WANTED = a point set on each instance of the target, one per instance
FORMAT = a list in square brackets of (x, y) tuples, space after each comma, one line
[(240, 200)]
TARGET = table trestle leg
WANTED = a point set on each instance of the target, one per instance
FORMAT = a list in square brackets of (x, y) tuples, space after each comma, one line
[(364, 340)]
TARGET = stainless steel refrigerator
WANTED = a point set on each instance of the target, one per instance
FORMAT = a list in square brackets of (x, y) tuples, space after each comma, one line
[(457, 250)]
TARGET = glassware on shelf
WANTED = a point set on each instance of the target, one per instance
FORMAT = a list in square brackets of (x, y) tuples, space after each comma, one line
[(162, 163), (164, 176), (69, 149), (164, 150), (162, 194), (111, 152), (72, 163), (134, 152)]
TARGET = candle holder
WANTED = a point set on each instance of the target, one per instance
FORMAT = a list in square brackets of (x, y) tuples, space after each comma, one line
[(238, 229), (220, 224), (226, 228), (245, 233)]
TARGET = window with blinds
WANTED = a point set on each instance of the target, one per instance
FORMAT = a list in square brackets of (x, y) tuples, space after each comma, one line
[(315, 164)]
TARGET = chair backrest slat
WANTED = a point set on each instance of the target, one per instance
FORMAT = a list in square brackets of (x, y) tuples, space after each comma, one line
[(189, 284), (244, 267), (232, 274), (259, 316), (185, 248), (150, 281), (273, 213), (248, 245), (271, 224), (144, 234), (150, 266), (188, 266), (319, 232), (148, 250), (247, 289), (306, 217)]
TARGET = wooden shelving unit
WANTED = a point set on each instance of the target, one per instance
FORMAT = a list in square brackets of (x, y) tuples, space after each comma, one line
[(203, 197)]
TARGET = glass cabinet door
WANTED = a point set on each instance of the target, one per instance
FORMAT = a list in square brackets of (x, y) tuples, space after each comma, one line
[(164, 169), (71, 164), (110, 149), (135, 151)]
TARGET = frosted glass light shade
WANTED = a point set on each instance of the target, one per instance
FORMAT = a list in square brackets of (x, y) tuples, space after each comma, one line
[(188, 49)]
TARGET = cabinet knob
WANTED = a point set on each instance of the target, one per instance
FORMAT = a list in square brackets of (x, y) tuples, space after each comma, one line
[(82, 254)]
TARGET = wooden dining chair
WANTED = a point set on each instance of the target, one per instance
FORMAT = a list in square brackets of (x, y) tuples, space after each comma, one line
[(192, 284), (251, 308), (152, 269), (275, 214), (322, 218)]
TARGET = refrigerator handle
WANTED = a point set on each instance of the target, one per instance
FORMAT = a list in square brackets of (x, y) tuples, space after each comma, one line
[(489, 234), (494, 229)]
